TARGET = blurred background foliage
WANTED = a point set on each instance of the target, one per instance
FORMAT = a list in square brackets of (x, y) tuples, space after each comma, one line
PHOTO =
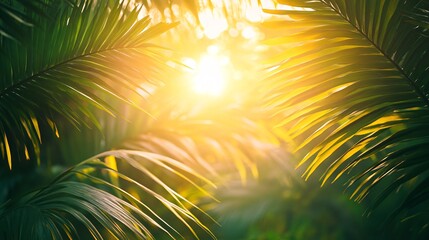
[(114, 82)]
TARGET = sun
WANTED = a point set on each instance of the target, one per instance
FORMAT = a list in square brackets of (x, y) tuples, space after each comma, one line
[(210, 73)]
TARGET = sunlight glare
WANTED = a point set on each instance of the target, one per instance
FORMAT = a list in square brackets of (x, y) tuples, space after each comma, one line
[(210, 74), (213, 23), (249, 33)]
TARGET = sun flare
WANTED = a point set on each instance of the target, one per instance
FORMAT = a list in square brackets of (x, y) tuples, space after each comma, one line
[(210, 75)]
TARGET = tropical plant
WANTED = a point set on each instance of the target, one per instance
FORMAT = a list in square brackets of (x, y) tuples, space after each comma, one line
[(351, 85), (340, 88), (84, 202), (68, 67), (90, 62)]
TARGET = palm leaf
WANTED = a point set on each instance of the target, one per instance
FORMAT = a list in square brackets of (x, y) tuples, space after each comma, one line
[(83, 203), (87, 52), (19, 16), (14, 20), (352, 88)]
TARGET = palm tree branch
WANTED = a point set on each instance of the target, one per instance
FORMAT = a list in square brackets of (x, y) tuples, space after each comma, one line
[(80, 66), (349, 105), (417, 88), (20, 83), (83, 195)]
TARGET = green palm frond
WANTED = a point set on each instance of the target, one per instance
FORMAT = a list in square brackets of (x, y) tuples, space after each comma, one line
[(87, 52), (352, 87), (13, 18), (84, 202), (17, 17)]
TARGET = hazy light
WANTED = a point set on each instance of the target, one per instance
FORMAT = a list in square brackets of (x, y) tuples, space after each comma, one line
[(213, 24), (249, 33), (210, 75), (286, 7), (254, 13), (190, 63)]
